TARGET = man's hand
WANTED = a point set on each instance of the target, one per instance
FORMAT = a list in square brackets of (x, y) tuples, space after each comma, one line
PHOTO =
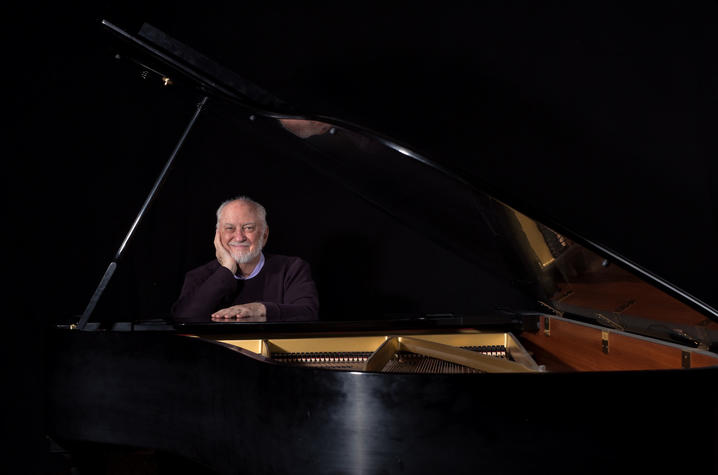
[(303, 128), (248, 312), (223, 256)]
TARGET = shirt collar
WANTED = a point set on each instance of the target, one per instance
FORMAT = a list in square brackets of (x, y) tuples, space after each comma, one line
[(256, 270)]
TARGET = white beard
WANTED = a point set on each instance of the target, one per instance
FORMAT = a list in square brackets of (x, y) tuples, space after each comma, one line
[(243, 258)]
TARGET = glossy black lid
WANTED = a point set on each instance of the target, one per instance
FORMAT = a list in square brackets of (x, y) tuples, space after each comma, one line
[(451, 205)]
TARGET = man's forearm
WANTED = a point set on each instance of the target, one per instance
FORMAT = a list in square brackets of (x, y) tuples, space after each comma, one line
[(199, 299)]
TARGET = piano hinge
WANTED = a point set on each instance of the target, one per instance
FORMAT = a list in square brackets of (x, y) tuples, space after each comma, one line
[(546, 326), (685, 359), (604, 341)]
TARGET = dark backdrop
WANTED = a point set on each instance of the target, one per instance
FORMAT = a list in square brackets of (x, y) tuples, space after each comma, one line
[(599, 117)]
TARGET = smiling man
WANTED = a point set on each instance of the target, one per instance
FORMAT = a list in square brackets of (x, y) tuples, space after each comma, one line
[(242, 283)]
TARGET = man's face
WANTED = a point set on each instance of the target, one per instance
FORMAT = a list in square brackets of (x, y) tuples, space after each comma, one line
[(242, 231)]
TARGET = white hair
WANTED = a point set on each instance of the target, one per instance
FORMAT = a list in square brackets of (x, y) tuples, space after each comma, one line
[(258, 208)]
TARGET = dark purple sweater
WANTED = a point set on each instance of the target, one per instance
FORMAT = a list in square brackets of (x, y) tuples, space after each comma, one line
[(284, 286)]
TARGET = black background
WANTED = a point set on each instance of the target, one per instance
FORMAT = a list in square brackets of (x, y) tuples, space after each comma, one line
[(600, 117)]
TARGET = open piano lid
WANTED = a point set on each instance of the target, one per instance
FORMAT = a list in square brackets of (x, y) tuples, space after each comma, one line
[(558, 271)]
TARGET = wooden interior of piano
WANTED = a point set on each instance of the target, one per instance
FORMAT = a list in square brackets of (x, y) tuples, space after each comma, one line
[(559, 345), (575, 276), (470, 352)]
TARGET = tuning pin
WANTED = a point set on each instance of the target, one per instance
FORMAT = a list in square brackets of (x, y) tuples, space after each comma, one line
[(166, 81)]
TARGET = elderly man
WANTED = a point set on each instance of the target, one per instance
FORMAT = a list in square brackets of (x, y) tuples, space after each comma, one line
[(242, 283)]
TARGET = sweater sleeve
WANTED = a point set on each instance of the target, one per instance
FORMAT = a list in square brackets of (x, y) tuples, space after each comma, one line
[(300, 301), (202, 293)]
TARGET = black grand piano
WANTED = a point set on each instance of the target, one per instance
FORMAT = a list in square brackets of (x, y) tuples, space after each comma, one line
[(459, 331)]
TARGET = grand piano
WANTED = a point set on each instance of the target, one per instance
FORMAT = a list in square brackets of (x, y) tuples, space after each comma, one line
[(529, 347)]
